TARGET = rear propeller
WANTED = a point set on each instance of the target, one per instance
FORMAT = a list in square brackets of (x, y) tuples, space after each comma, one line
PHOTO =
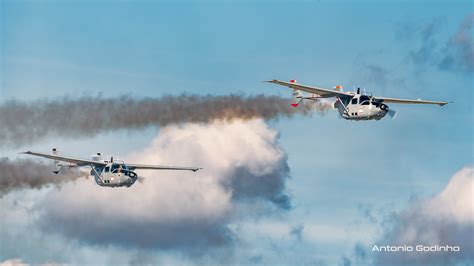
[(392, 113)]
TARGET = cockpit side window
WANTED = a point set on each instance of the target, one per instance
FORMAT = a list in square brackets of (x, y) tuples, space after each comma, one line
[(354, 101), (107, 169)]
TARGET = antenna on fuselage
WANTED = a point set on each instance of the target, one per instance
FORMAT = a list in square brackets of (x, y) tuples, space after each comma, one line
[(358, 90), (111, 159)]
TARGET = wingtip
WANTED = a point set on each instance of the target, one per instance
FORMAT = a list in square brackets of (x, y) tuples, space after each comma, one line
[(25, 152)]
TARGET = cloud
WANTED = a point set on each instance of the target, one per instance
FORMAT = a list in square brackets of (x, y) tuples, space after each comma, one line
[(455, 54), (358, 256), (13, 262), (458, 53), (187, 212), (25, 123), (269, 186), (297, 232), (380, 76), (446, 219), (427, 50), (20, 262), (345, 261), (20, 174)]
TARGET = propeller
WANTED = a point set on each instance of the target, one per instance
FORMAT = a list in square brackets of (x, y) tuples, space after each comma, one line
[(392, 113), (141, 179)]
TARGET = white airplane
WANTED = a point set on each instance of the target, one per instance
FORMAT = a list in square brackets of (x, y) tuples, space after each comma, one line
[(106, 173), (351, 105)]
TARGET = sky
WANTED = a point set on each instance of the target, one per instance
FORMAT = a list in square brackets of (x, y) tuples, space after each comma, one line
[(332, 188)]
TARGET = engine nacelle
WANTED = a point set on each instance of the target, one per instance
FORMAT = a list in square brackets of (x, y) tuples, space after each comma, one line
[(97, 157)]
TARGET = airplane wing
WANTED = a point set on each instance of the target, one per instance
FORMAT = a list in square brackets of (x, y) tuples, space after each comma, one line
[(408, 101), (160, 167), (78, 162), (324, 93)]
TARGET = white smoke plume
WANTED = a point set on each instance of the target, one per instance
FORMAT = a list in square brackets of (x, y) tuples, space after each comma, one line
[(244, 168)]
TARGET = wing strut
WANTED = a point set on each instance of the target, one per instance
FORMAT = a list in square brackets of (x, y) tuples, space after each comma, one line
[(343, 105)]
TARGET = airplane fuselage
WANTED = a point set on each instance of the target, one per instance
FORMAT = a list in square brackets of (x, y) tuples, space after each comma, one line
[(114, 175), (361, 107)]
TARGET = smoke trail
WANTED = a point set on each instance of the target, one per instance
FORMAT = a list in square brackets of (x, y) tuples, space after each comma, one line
[(24, 123), (30, 174)]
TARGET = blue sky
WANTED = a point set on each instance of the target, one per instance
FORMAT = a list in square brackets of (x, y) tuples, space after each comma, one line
[(338, 168)]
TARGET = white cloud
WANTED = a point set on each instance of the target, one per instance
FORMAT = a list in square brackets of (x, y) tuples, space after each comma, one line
[(13, 262), (456, 201), (445, 219), (175, 209)]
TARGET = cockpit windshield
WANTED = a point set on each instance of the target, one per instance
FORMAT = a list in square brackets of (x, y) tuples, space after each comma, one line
[(364, 100), (118, 167)]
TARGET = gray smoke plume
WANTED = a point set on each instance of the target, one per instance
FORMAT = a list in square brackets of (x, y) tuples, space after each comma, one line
[(27, 122), (27, 173), (459, 50)]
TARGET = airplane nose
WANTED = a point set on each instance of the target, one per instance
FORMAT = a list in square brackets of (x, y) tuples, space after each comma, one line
[(132, 174)]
